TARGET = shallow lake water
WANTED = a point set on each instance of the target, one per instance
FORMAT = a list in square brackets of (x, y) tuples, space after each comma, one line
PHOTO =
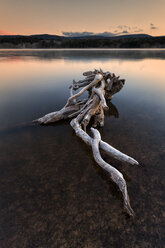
[(52, 193)]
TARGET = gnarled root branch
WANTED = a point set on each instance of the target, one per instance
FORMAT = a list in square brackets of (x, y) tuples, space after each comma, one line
[(101, 86), (62, 114), (97, 143), (115, 175)]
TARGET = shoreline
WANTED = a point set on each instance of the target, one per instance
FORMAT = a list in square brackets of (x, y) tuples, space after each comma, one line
[(77, 49)]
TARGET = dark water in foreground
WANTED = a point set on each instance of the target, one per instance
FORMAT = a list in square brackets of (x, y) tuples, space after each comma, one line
[(52, 193)]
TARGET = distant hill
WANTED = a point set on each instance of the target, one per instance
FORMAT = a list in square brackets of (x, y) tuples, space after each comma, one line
[(89, 41), (50, 36), (10, 36), (110, 37), (47, 36), (39, 36), (133, 36)]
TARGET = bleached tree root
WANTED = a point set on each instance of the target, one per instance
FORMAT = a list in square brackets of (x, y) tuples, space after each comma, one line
[(110, 150), (115, 175), (62, 114), (101, 86)]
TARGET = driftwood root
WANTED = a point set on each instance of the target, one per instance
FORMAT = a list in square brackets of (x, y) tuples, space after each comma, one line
[(101, 86)]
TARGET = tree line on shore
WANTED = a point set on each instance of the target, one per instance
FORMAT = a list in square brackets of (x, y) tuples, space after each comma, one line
[(81, 42)]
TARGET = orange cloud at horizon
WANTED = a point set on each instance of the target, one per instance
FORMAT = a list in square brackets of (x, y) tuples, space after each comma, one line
[(5, 32)]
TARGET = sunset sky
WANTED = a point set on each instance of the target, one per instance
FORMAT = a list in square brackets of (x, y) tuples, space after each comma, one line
[(70, 17)]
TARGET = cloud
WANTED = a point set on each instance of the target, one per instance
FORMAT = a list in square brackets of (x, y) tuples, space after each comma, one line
[(85, 33), (138, 30), (125, 27), (121, 30), (122, 26), (77, 34), (152, 26), (128, 29), (5, 32), (125, 32), (106, 34)]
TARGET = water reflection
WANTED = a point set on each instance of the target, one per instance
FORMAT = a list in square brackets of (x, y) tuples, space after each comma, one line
[(79, 54), (113, 111), (32, 79), (52, 192)]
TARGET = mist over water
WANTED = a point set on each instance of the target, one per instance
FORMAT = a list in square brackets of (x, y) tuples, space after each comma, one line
[(53, 194)]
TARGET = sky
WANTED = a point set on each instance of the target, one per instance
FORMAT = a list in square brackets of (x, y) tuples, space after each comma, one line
[(75, 17)]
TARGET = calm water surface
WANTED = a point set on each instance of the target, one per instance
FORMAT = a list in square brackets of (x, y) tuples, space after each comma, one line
[(52, 193)]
